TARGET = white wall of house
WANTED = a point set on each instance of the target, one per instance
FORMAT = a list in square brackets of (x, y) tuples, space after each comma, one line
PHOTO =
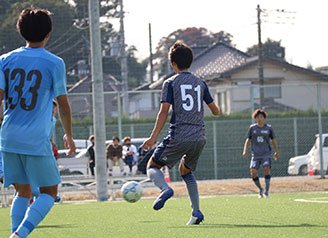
[(290, 93)]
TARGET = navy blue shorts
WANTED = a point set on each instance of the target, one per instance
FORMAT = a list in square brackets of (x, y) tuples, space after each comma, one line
[(169, 152), (257, 162)]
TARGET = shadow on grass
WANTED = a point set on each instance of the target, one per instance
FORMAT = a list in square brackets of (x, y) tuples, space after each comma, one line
[(249, 226), (57, 226)]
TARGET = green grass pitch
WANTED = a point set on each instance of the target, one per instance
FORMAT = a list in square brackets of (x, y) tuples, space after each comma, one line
[(225, 216)]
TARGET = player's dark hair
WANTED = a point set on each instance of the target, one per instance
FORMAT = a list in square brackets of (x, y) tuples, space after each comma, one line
[(181, 54), (258, 112), (116, 138), (34, 24)]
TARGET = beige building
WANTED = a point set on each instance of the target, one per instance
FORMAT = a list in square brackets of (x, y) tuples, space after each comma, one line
[(232, 76)]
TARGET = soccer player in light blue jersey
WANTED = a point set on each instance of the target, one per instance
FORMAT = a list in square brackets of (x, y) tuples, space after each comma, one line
[(33, 77), (185, 93), (259, 136)]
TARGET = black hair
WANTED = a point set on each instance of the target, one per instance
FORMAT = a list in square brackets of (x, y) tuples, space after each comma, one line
[(181, 54), (34, 24), (116, 138), (258, 112)]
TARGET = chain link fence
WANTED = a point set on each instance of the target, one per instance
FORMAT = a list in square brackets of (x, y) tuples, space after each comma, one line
[(293, 114)]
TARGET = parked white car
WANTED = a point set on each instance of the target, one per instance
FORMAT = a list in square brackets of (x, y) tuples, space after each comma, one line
[(314, 161), (298, 165)]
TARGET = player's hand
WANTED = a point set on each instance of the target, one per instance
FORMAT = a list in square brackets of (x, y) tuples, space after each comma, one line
[(245, 155), (149, 143), (69, 143), (276, 155)]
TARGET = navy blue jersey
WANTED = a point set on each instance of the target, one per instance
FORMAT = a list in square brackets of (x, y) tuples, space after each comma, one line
[(260, 140), (186, 93)]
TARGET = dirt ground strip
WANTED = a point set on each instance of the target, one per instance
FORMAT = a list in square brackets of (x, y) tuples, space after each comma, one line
[(232, 187)]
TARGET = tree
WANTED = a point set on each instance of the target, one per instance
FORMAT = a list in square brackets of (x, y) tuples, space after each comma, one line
[(271, 49), (193, 36), (70, 37)]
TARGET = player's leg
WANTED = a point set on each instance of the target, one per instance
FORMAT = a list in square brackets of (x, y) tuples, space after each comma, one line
[(14, 173), (19, 205), (187, 165), (42, 172), (267, 176), (156, 175), (255, 164)]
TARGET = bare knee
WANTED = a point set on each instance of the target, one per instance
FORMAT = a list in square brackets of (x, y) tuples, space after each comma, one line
[(254, 173), (266, 170), (51, 191), (23, 190), (183, 169)]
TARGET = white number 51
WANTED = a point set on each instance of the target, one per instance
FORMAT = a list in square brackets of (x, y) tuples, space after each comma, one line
[(188, 97)]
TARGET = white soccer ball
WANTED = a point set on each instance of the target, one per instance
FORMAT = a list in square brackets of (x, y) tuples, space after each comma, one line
[(131, 191)]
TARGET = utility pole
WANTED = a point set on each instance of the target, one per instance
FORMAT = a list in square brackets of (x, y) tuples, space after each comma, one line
[(151, 67), (98, 101), (124, 64), (151, 56), (260, 57)]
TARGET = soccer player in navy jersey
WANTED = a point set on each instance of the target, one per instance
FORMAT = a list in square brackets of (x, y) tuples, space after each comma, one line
[(33, 77), (185, 93), (259, 136)]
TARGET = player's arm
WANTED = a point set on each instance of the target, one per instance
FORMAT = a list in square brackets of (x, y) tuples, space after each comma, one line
[(275, 146), (160, 122), (66, 120), (216, 110), (1, 96), (247, 142)]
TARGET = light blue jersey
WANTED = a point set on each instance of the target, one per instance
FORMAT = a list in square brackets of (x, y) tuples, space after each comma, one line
[(33, 77)]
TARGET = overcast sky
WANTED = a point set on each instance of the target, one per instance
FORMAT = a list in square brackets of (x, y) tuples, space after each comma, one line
[(305, 37)]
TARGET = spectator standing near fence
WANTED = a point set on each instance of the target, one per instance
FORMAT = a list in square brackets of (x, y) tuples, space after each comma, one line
[(92, 157), (129, 153), (114, 154)]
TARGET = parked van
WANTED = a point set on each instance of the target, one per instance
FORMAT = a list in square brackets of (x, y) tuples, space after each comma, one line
[(314, 161), (298, 165)]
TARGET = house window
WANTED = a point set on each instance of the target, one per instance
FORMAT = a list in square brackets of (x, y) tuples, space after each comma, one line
[(222, 101), (269, 92)]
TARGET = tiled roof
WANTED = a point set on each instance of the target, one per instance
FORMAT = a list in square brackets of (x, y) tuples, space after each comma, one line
[(211, 62), (217, 59), (254, 61)]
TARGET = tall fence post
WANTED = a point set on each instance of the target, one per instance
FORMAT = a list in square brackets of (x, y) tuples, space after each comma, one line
[(320, 131), (295, 137), (215, 155), (98, 101), (119, 116)]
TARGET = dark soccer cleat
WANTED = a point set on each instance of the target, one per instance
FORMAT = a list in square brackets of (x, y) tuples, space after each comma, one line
[(196, 219), (165, 195)]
